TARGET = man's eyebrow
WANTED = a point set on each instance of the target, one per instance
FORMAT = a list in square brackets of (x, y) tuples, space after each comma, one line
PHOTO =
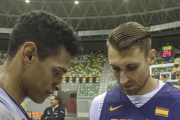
[(133, 64), (63, 69)]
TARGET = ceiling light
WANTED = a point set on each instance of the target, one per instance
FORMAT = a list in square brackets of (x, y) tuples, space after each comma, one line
[(76, 2), (27, 1)]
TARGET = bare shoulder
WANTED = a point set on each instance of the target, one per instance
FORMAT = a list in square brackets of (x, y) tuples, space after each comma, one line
[(5, 114)]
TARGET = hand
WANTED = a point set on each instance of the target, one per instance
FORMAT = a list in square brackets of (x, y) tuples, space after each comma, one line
[(45, 118)]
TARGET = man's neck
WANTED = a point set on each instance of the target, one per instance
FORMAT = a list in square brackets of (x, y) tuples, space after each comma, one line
[(149, 86), (9, 82), (55, 106)]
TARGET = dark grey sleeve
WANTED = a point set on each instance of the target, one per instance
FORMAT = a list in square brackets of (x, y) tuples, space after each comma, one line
[(5, 114)]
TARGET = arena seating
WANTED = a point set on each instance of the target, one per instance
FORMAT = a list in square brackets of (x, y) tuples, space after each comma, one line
[(89, 70), (89, 89)]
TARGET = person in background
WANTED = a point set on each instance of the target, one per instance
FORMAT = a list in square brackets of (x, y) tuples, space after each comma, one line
[(55, 112), (176, 70), (138, 96), (40, 51)]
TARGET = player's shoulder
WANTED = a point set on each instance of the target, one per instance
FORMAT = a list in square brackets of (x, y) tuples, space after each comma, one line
[(5, 114), (99, 99), (96, 106), (172, 90), (174, 87)]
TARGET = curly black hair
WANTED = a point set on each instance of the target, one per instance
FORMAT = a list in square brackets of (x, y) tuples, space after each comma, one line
[(47, 31)]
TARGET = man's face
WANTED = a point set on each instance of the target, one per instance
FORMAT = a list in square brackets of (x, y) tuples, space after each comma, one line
[(42, 78), (53, 101), (130, 67), (176, 70)]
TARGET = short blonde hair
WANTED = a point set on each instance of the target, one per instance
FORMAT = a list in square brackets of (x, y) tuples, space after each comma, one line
[(130, 34)]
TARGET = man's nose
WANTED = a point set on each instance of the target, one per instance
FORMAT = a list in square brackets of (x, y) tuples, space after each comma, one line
[(123, 78)]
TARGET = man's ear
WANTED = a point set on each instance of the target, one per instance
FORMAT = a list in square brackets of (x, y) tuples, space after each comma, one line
[(152, 56), (29, 51)]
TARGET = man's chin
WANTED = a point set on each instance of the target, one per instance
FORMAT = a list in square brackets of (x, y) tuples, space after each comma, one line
[(130, 92), (38, 100)]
